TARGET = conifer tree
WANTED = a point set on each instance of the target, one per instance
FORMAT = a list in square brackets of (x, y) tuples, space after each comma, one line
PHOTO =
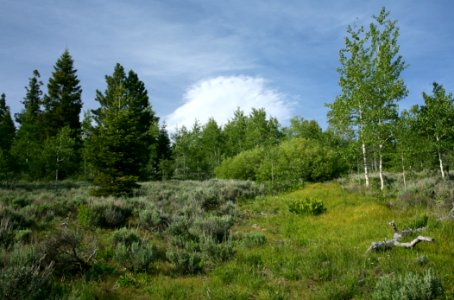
[(28, 145), (119, 145), (7, 128), (7, 132), (63, 103)]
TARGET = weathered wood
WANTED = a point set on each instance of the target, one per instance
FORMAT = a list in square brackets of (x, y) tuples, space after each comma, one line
[(397, 236)]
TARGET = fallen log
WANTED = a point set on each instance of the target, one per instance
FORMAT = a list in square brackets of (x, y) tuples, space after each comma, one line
[(397, 236)]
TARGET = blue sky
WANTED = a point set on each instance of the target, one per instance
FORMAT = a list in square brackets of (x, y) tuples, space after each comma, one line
[(203, 58)]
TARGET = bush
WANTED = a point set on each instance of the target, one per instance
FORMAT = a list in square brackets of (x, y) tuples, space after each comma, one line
[(6, 234), (135, 257), (253, 239), (411, 286), (149, 217), (216, 227), (307, 206), (186, 261), (23, 275), (108, 214), (125, 236)]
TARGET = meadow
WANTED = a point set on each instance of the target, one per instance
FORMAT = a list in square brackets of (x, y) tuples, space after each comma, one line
[(225, 239)]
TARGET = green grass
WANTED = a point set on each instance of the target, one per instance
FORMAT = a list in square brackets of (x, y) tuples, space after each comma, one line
[(277, 254)]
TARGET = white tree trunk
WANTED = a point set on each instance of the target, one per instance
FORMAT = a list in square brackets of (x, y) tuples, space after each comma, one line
[(366, 173), (403, 169), (440, 158), (380, 167)]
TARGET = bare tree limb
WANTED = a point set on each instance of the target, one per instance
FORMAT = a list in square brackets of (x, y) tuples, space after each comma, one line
[(397, 236)]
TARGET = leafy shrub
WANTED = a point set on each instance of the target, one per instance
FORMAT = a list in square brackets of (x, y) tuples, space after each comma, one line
[(411, 286), (307, 206), (135, 257), (15, 219), (6, 233), (108, 214), (114, 186), (125, 236), (216, 227), (23, 236), (25, 282), (215, 251), (253, 239), (186, 261), (150, 217), (23, 275)]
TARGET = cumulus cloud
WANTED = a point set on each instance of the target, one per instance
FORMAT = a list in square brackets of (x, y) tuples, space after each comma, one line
[(219, 97)]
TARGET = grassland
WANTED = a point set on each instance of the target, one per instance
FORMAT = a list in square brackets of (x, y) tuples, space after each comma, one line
[(241, 244)]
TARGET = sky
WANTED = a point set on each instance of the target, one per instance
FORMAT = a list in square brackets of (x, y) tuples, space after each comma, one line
[(206, 58)]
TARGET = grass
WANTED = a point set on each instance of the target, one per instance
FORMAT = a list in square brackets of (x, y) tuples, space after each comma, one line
[(276, 254)]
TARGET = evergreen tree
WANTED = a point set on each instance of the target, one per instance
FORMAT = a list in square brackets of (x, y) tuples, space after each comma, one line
[(7, 132), (28, 145), (7, 128), (119, 145), (62, 103)]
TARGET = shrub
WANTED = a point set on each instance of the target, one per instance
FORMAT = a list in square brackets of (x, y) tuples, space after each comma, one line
[(253, 239), (216, 227), (307, 206), (114, 186), (411, 286), (6, 233), (108, 214), (149, 217), (210, 249), (125, 236), (186, 261), (68, 251), (23, 275), (136, 257)]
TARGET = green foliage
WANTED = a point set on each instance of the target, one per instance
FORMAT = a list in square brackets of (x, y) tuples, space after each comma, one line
[(186, 261), (125, 236), (285, 166), (63, 101), (135, 257), (118, 146), (253, 239), (24, 276), (243, 166), (307, 206), (411, 286), (105, 214)]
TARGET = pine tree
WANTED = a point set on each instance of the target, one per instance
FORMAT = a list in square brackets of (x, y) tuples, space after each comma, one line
[(7, 132), (119, 145), (62, 103), (7, 128), (28, 145)]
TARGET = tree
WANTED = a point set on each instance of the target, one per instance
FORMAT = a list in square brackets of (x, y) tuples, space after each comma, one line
[(7, 128), (118, 145), (7, 133), (212, 144), (387, 86), (371, 86), (28, 145), (63, 103), (436, 119), (59, 152), (234, 132)]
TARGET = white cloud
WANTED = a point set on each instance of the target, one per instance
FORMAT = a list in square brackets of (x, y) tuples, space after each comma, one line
[(219, 97)]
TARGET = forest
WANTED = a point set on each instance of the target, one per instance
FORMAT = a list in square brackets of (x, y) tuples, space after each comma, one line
[(111, 205)]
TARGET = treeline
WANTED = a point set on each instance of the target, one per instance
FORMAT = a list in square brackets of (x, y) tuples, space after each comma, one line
[(123, 142)]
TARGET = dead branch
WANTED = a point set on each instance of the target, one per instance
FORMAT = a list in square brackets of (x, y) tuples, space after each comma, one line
[(397, 236)]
